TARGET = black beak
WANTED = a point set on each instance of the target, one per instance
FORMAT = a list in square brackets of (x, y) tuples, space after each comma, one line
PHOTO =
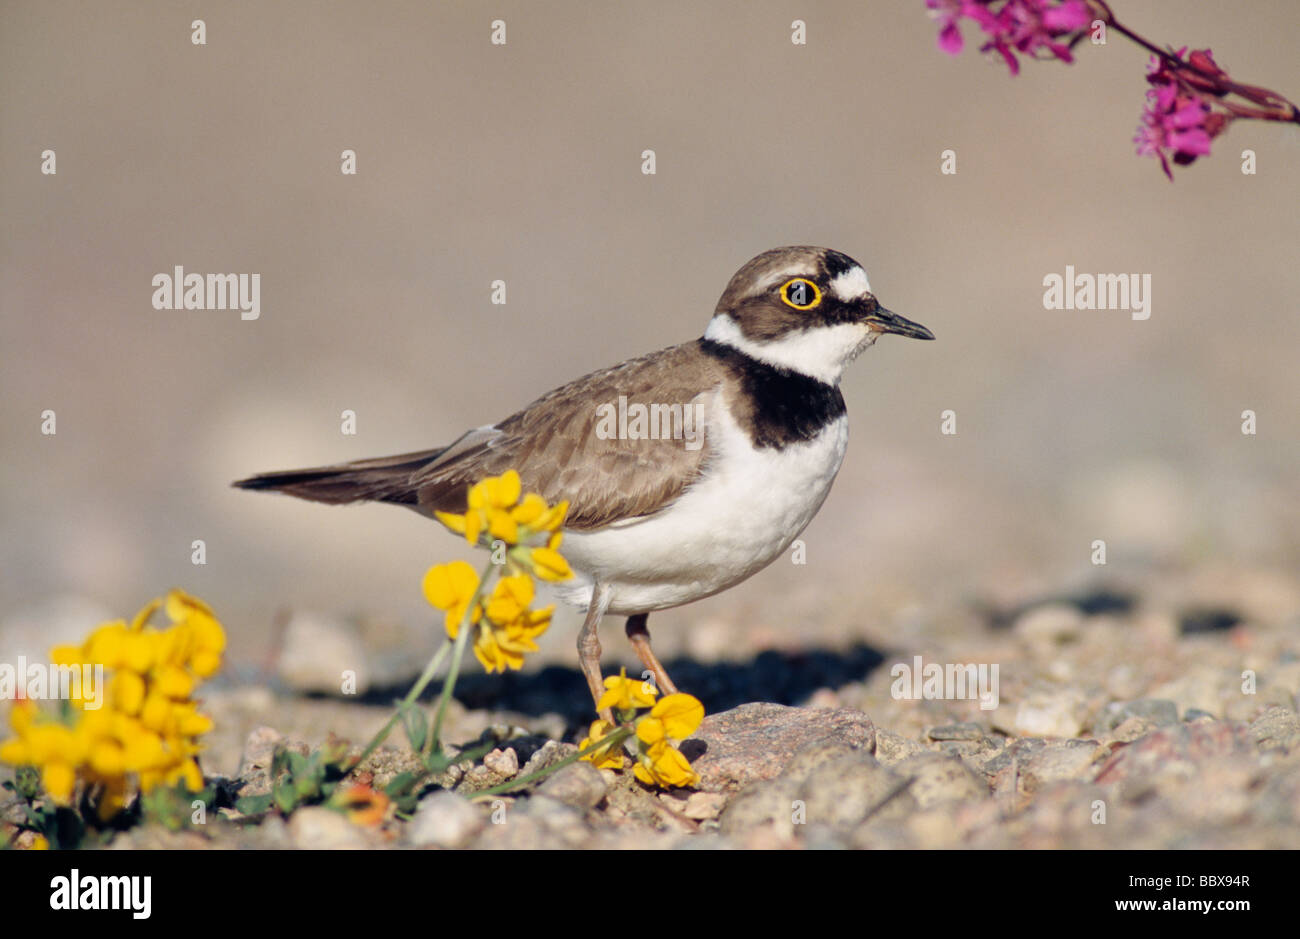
[(886, 322)]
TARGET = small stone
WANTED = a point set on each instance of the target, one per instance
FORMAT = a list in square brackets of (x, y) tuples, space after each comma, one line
[(444, 820), (702, 806), (966, 731), (1196, 714), (768, 803), (753, 742), (1051, 714), (1156, 711), (505, 763), (1276, 729), (1135, 728), (1050, 624), (550, 753), (255, 761), (1066, 759), (558, 819), (1175, 750), (939, 779), (318, 827), (842, 792), (579, 785), (317, 651), (892, 747)]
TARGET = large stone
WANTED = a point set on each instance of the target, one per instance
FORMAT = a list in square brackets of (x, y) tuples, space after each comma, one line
[(754, 742)]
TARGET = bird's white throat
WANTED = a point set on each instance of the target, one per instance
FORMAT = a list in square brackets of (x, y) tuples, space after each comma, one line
[(821, 352)]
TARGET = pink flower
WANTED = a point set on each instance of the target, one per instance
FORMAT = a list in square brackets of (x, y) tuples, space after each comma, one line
[(1176, 119), (1013, 26), (947, 13)]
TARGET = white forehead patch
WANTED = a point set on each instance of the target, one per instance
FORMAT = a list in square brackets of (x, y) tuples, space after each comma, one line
[(851, 285)]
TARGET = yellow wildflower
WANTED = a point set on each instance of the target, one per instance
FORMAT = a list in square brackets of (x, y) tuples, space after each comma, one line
[(510, 598), (451, 587), (662, 765), (609, 756), (626, 694), (676, 716)]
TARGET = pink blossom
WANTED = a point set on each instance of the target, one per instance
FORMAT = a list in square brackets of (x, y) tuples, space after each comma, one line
[(1177, 121), (1013, 26)]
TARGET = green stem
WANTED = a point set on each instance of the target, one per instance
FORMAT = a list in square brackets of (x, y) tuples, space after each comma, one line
[(615, 736), (411, 697), (462, 640)]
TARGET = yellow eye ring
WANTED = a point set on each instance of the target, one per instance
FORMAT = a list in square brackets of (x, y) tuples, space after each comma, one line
[(789, 285)]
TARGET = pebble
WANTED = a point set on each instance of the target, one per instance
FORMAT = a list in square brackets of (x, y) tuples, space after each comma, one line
[(1067, 759), (315, 826), (938, 778), (1049, 624), (966, 731), (505, 763), (1056, 713), (841, 792), (579, 785), (444, 820), (892, 747), (1157, 711), (1277, 728)]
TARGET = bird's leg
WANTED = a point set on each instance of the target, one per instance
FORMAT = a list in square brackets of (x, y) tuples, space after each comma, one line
[(639, 636), (589, 646)]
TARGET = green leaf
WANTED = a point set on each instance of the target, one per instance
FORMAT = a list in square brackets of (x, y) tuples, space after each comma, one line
[(402, 783), (254, 805), (298, 766), (285, 797), (416, 724)]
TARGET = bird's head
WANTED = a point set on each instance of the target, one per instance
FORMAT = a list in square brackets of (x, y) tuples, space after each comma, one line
[(809, 310)]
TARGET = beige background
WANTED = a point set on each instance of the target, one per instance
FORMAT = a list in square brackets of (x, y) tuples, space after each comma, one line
[(523, 163)]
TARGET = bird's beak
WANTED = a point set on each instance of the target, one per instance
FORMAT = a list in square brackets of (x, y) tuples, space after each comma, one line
[(883, 321)]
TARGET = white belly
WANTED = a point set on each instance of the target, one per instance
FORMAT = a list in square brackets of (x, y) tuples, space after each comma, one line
[(732, 522)]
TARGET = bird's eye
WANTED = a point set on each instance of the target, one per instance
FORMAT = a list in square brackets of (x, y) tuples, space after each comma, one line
[(800, 293)]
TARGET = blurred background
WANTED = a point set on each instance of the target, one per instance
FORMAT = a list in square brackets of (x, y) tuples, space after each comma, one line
[(522, 163)]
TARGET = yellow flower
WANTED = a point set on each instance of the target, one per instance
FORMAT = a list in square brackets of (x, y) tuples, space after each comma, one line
[(146, 734), (661, 765), (40, 843), (625, 694), (609, 756), (502, 646), (552, 519), (498, 506), (510, 598), (59, 778), (496, 492), (549, 564), (676, 716), (126, 691), (451, 587), (530, 508)]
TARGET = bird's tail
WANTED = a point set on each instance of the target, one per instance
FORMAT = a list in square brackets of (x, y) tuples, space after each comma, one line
[(385, 479)]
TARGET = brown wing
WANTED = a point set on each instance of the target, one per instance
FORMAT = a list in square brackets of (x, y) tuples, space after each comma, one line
[(567, 444), (563, 445)]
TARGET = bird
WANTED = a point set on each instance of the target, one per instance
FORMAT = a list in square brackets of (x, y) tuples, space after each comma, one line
[(686, 470)]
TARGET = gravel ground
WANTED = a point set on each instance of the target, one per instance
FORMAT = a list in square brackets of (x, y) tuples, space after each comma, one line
[(1166, 718)]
